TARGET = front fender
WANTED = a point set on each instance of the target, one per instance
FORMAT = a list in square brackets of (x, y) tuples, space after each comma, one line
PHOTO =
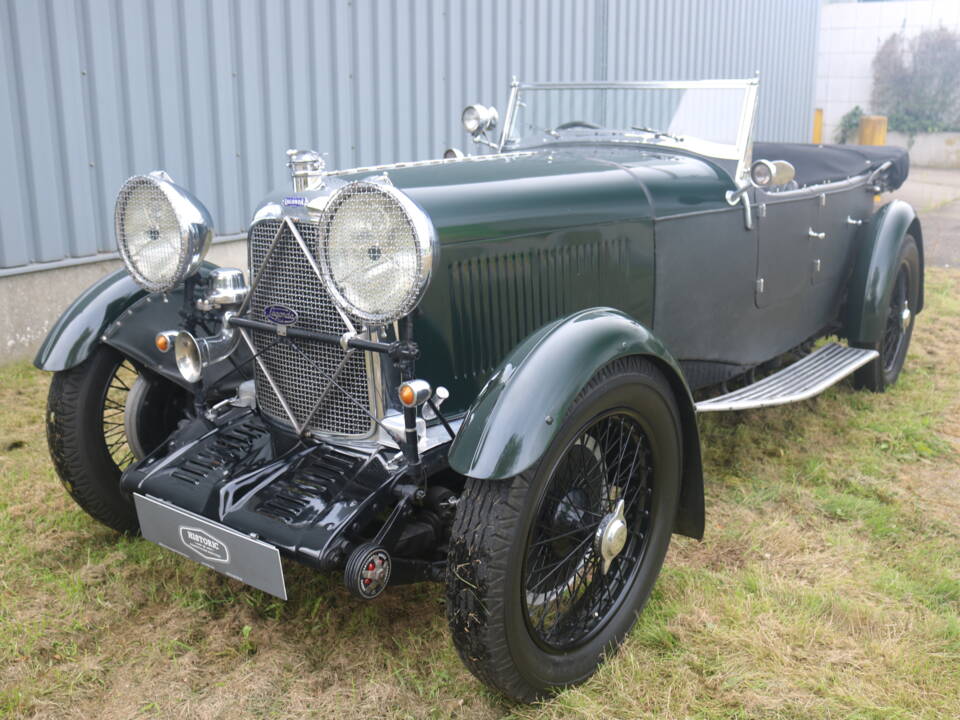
[(116, 311), (82, 325), (875, 271), (518, 412)]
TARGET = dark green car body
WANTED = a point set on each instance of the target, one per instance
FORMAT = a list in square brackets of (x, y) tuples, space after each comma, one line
[(484, 371), (605, 248)]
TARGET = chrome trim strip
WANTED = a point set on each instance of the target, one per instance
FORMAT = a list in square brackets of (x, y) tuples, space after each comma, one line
[(876, 173), (376, 393), (428, 163), (771, 198), (511, 113)]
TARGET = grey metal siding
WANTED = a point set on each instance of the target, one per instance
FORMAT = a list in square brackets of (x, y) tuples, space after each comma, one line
[(214, 91)]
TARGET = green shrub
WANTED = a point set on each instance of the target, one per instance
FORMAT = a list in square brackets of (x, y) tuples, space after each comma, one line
[(849, 125), (915, 83)]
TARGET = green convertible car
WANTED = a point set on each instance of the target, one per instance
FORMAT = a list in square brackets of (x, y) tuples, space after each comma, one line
[(482, 370)]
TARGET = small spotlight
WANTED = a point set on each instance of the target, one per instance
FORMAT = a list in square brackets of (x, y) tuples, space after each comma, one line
[(477, 119)]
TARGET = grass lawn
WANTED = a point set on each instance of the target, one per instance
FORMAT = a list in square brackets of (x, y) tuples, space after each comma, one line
[(828, 586)]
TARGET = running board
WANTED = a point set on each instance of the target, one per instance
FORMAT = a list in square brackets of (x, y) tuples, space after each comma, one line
[(799, 381)]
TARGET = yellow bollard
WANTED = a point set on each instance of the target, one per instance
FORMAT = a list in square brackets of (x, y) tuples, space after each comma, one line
[(873, 130), (818, 126)]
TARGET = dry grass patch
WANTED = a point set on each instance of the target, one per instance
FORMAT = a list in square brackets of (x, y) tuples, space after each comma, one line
[(828, 586)]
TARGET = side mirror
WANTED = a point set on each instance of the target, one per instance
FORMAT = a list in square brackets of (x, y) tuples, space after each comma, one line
[(765, 174)]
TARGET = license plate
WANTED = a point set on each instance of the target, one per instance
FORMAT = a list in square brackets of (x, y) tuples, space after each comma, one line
[(216, 546)]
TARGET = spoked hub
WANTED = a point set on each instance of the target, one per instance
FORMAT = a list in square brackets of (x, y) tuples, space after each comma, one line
[(612, 535), (589, 534)]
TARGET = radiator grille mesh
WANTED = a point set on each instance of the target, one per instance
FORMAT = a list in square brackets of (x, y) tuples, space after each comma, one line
[(300, 368)]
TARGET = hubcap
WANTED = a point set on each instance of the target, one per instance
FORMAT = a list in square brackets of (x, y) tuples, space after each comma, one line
[(905, 316), (374, 574), (612, 535)]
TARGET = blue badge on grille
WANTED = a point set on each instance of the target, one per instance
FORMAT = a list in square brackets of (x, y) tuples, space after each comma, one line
[(295, 200), (280, 314)]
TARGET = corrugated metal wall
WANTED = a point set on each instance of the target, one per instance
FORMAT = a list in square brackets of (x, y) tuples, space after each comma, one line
[(214, 91)]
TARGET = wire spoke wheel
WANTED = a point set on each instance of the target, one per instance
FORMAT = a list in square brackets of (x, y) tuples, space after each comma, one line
[(570, 588), (113, 408), (893, 340), (895, 330), (547, 570)]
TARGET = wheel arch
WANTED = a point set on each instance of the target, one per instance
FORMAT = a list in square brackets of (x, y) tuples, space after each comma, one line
[(520, 409), (117, 312), (874, 270), (81, 326)]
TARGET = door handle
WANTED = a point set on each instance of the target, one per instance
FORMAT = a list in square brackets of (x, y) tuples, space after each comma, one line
[(853, 221), (815, 235)]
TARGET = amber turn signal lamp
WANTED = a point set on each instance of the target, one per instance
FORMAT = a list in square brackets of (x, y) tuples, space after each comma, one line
[(414, 393), (163, 341)]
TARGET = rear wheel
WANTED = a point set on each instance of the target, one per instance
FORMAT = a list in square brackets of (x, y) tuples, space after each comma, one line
[(898, 327), (548, 570), (91, 410)]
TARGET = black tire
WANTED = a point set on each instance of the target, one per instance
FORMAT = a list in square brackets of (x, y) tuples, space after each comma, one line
[(494, 609), (884, 371), (87, 436)]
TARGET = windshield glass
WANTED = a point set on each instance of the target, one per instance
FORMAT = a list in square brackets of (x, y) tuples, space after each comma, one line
[(710, 117)]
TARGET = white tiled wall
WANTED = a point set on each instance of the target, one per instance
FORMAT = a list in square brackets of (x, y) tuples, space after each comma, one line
[(851, 34)]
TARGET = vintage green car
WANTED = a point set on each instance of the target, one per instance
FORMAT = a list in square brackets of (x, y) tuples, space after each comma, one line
[(482, 370)]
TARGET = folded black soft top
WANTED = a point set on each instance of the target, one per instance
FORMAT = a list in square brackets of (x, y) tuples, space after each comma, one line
[(828, 163)]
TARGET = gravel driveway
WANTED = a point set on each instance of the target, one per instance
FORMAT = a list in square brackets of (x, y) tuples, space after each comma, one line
[(935, 193)]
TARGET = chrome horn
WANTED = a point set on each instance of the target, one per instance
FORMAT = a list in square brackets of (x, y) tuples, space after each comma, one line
[(194, 354)]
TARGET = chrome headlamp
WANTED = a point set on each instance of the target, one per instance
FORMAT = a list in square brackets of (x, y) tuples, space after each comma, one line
[(376, 252), (163, 232)]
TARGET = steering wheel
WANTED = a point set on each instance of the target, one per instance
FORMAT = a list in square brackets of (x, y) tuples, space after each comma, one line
[(576, 124)]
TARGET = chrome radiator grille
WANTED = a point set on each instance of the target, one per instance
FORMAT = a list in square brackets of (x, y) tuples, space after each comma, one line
[(301, 368)]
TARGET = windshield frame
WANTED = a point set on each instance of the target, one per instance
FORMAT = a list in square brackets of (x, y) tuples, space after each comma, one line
[(741, 150)]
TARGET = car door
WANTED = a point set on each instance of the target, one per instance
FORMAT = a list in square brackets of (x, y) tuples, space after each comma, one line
[(841, 210), (785, 248), (840, 213)]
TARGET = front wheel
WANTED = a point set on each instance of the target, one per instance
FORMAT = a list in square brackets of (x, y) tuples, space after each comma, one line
[(548, 570), (101, 416)]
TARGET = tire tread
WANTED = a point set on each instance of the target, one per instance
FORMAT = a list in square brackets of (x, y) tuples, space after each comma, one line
[(73, 458), (478, 555)]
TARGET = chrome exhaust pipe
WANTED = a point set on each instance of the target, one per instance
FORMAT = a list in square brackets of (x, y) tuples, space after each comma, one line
[(194, 354)]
